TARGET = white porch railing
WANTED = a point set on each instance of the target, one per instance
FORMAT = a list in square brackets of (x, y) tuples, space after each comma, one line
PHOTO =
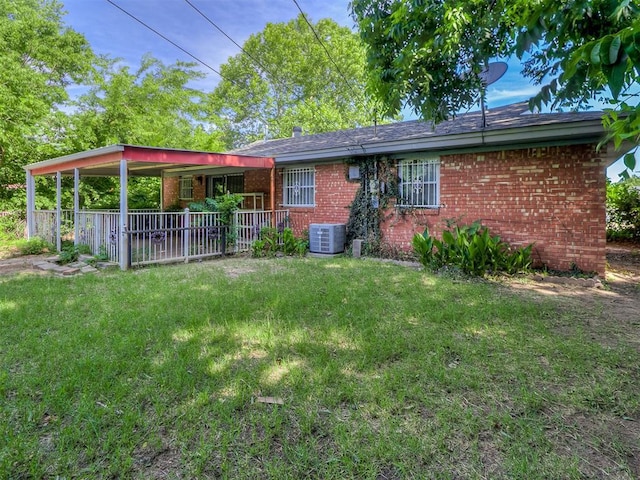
[(157, 237), (249, 224), (100, 230), (45, 222)]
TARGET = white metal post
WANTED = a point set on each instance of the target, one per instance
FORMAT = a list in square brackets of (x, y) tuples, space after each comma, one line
[(58, 211), (186, 234), (162, 190), (124, 214), (31, 205), (76, 206)]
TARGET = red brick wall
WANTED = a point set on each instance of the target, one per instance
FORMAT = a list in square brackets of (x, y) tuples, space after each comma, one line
[(551, 196), (256, 181), (170, 191), (334, 195), (199, 189)]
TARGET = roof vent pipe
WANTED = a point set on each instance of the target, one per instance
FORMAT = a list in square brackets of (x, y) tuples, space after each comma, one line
[(297, 131)]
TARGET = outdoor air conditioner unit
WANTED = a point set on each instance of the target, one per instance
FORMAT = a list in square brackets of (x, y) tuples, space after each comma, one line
[(327, 237)]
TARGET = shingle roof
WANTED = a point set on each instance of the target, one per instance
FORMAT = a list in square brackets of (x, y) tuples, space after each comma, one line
[(501, 118)]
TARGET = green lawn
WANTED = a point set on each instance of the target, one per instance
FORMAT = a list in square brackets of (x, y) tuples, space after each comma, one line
[(384, 372)]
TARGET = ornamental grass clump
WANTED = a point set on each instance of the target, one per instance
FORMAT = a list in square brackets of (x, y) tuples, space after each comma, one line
[(471, 248)]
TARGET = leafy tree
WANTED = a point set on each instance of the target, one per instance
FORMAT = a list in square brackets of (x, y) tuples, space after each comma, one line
[(284, 78), (40, 57), (623, 209), (428, 53), (151, 106)]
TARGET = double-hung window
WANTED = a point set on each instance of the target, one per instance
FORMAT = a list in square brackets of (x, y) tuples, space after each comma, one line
[(419, 183), (186, 188), (299, 187)]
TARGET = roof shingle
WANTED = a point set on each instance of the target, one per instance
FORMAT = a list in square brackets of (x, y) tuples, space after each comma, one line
[(508, 117)]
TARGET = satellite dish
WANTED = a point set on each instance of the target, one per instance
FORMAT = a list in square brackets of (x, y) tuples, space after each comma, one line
[(491, 74)]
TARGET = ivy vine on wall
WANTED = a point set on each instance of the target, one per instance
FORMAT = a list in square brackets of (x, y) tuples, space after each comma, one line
[(378, 187)]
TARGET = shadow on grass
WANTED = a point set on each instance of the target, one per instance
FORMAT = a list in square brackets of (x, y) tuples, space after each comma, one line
[(381, 371)]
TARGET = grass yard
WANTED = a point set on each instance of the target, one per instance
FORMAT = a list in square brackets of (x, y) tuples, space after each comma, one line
[(383, 372)]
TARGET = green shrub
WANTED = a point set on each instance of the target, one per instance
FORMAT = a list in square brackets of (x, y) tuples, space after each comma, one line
[(103, 254), (84, 249), (623, 210), (274, 240), (12, 226), (34, 246), (471, 248), (226, 205), (69, 254)]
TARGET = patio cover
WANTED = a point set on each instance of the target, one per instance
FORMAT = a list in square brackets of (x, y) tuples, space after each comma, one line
[(141, 161), (130, 160)]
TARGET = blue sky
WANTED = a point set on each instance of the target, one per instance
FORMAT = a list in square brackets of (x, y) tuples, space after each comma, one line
[(112, 32)]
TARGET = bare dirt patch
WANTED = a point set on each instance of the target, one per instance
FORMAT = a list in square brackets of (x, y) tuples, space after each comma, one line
[(21, 265), (611, 314)]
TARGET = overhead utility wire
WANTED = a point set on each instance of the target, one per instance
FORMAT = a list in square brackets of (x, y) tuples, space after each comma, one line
[(196, 58), (165, 38), (346, 81), (315, 33), (203, 15), (289, 88)]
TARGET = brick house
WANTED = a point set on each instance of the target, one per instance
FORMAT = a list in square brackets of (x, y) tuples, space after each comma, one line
[(530, 178)]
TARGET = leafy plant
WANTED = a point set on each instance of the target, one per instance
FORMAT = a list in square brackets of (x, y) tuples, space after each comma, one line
[(274, 240), (471, 248), (623, 210), (226, 205), (84, 249), (69, 254), (103, 254), (259, 248), (34, 246), (207, 205), (12, 226)]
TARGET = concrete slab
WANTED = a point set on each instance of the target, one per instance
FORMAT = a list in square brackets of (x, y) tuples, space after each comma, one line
[(46, 266)]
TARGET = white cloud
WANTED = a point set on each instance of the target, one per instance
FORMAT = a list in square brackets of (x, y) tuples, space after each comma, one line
[(516, 93)]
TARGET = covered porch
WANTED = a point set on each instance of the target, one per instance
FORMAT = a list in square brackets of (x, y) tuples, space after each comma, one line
[(136, 237)]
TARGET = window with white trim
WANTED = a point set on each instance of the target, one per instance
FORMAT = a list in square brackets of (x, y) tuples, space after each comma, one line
[(186, 188), (419, 183), (299, 187)]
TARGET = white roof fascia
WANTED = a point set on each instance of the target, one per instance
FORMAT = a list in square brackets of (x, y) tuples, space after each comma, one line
[(75, 156)]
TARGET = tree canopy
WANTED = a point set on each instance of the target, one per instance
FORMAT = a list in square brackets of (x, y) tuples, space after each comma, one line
[(40, 57), (153, 106), (284, 78), (428, 54)]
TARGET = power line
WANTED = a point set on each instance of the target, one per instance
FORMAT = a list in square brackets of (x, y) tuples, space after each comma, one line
[(206, 64), (165, 38), (288, 88), (225, 34), (315, 33)]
